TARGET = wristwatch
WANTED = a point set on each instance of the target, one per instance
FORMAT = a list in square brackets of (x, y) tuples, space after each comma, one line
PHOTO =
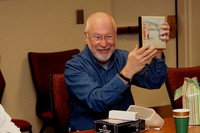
[(125, 78)]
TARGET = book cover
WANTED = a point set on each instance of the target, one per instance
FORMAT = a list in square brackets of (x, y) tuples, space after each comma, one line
[(149, 31)]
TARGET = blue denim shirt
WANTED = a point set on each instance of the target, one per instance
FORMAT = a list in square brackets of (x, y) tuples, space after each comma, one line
[(94, 90)]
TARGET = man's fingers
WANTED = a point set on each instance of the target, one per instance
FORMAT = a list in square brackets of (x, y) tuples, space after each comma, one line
[(165, 32), (143, 49), (148, 55), (136, 47)]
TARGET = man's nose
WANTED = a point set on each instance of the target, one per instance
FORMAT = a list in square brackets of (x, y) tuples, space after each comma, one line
[(103, 42)]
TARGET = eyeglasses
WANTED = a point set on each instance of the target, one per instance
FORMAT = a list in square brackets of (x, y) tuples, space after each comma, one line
[(99, 38)]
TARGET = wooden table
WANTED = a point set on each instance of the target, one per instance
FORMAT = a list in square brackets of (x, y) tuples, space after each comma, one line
[(168, 127)]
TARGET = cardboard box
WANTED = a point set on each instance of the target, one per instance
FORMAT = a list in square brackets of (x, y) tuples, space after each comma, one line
[(119, 126)]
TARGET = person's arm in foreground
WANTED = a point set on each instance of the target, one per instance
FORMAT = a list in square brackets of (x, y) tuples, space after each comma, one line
[(6, 125)]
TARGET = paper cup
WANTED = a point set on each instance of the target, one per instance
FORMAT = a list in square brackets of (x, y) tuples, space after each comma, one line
[(181, 117)]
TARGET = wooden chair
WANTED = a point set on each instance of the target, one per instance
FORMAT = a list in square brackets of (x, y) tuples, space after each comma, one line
[(175, 79), (24, 125), (59, 97), (41, 66)]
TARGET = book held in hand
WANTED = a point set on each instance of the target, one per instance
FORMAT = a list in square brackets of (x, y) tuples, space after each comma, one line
[(149, 31)]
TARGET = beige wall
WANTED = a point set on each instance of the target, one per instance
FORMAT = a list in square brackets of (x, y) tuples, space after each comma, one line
[(50, 25)]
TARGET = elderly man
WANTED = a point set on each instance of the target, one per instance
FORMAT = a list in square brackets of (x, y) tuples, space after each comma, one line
[(99, 78)]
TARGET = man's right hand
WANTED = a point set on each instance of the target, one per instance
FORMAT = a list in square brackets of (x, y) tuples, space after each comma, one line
[(137, 59)]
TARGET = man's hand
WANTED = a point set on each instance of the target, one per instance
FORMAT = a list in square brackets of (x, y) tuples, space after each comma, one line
[(137, 59), (164, 36), (165, 32)]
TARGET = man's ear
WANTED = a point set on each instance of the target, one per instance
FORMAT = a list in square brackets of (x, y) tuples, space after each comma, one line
[(86, 37)]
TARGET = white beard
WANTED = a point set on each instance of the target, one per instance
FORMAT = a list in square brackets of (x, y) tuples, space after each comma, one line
[(98, 56)]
